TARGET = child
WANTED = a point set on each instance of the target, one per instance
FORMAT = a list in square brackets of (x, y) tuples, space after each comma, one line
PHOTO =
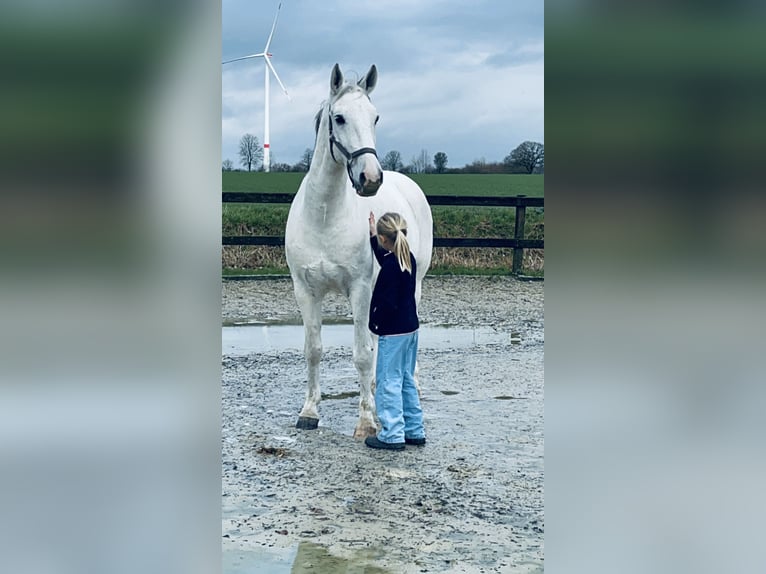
[(394, 318)]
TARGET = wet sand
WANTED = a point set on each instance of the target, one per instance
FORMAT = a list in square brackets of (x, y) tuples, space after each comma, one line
[(471, 500)]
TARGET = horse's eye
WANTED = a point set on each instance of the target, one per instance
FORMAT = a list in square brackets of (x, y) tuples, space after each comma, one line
[(376, 120), (340, 120)]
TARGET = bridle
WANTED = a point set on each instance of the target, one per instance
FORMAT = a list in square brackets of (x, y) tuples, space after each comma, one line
[(350, 156)]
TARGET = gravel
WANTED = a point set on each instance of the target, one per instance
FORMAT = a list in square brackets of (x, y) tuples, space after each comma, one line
[(471, 500)]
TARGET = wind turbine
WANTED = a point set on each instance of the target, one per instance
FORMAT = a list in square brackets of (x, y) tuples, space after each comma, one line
[(266, 58)]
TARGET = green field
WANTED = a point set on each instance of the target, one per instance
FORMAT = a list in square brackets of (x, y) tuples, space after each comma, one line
[(449, 221), (432, 184), (261, 182), (481, 184)]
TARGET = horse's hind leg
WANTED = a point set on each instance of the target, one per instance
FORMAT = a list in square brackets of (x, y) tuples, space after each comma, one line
[(416, 374), (311, 311), (364, 362)]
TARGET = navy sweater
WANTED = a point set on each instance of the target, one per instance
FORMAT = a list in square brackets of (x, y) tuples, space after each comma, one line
[(393, 310)]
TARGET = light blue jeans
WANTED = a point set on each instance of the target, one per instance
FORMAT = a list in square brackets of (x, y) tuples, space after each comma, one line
[(396, 396)]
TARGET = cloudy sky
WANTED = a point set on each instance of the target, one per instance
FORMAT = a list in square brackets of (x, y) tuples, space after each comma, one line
[(461, 77)]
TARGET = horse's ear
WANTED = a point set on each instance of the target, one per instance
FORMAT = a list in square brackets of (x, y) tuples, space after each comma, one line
[(336, 79), (370, 79)]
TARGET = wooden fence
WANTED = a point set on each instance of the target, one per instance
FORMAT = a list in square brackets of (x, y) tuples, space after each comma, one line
[(518, 243)]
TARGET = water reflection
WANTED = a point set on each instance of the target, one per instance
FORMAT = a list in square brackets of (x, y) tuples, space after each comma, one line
[(238, 340), (307, 558), (314, 559)]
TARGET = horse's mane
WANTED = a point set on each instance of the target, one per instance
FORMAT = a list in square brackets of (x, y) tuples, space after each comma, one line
[(318, 118)]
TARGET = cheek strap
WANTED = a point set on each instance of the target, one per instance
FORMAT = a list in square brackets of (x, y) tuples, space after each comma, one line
[(350, 157)]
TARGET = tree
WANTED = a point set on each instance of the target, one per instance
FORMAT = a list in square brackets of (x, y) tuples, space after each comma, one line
[(227, 165), (420, 162), (305, 163), (392, 161), (479, 165), (440, 161), (250, 152), (529, 155)]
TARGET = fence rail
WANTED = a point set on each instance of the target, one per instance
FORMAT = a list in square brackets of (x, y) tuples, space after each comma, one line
[(489, 201), (517, 243)]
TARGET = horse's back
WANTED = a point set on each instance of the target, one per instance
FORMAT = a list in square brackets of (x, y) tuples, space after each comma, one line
[(401, 194), (410, 190)]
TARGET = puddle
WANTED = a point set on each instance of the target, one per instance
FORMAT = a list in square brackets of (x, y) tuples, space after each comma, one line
[(306, 558), (449, 392), (337, 396), (245, 339), (509, 398), (314, 559), (271, 561)]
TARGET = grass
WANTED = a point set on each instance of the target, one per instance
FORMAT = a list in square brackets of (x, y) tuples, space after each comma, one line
[(254, 219), (261, 182), (432, 184), (481, 184), (267, 260), (449, 221), (273, 270)]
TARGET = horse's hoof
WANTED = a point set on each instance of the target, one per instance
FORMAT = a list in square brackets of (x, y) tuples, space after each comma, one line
[(362, 433), (307, 423)]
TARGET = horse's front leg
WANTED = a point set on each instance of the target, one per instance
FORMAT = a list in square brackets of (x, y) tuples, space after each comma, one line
[(311, 311), (364, 361)]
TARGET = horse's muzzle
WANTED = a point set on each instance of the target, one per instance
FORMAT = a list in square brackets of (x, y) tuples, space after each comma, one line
[(368, 188)]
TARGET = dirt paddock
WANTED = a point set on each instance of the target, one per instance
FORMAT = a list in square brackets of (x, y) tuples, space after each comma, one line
[(471, 500)]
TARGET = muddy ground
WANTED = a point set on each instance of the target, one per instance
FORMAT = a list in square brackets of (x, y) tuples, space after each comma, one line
[(471, 500)]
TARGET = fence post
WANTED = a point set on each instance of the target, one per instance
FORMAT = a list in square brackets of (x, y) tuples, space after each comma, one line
[(518, 252)]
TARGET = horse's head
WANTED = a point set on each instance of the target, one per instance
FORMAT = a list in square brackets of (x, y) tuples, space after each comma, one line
[(352, 119)]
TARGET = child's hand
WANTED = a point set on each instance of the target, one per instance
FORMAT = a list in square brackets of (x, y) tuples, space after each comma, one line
[(371, 219)]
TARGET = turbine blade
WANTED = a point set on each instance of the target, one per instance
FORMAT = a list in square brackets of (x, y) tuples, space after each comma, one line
[(274, 25), (273, 71), (243, 58)]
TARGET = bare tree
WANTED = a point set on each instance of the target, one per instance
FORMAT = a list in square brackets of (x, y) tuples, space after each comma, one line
[(479, 165), (420, 162), (529, 155), (250, 152), (440, 161), (392, 161), (227, 165), (305, 163)]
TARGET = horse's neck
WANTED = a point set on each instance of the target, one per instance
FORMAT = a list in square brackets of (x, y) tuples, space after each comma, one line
[(327, 181)]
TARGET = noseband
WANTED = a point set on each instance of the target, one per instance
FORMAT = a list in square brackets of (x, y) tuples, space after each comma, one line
[(344, 152)]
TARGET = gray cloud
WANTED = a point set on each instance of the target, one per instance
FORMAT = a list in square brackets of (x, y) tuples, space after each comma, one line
[(463, 78)]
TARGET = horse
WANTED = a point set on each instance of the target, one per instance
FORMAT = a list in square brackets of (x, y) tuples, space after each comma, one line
[(327, 233)]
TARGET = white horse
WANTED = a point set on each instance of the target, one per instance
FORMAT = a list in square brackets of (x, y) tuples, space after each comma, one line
[(327, 235)]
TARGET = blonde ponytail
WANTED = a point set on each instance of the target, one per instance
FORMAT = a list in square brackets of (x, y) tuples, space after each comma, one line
[(394, 227)]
